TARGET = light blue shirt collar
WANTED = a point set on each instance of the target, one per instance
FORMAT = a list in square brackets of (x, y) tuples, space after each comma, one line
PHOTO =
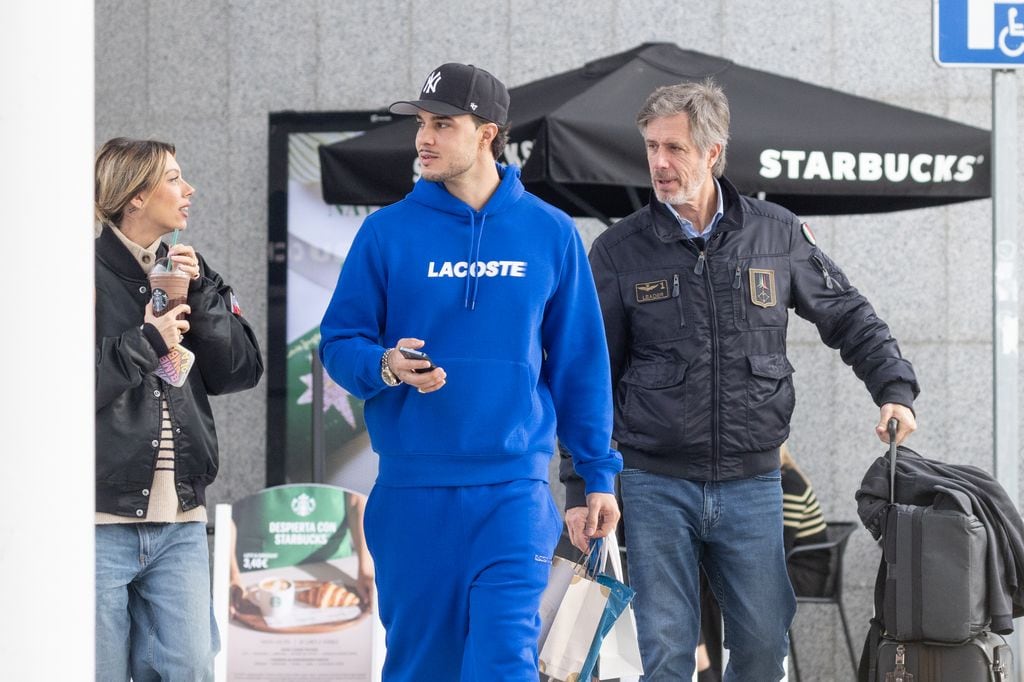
[(688, 229)]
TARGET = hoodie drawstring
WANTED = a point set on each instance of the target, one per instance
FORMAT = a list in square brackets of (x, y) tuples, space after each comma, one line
[(475, 239)]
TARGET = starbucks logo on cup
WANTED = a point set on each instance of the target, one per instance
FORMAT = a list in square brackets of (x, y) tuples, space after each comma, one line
[(275, 596), (159, 300)]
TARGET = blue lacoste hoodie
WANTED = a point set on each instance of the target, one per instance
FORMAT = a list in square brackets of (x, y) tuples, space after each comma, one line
[(505, 301)]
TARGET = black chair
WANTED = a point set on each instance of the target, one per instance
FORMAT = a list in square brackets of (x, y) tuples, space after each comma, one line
[(838, 534)]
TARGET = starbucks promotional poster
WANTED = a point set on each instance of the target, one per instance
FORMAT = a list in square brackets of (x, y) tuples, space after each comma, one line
[(301, 587)]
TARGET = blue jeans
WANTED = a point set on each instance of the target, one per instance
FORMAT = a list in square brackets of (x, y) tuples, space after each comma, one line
[(154, 615), (732, 528)]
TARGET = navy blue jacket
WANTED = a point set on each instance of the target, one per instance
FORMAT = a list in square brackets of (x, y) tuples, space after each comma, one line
[(696, 334)]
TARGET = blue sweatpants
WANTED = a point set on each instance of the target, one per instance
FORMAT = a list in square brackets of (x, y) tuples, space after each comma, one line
[(460, 572)]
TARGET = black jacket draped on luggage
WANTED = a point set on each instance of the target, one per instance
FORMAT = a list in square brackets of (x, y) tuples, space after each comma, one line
[(918, 481)]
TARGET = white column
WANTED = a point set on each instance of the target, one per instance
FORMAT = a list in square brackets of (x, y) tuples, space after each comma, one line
[(46, 340)]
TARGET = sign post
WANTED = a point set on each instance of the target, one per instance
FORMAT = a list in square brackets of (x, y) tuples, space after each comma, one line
[(1004, 277), (990, 34)]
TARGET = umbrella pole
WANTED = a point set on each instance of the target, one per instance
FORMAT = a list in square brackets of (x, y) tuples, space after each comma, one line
[(579, 203), (634, 198)]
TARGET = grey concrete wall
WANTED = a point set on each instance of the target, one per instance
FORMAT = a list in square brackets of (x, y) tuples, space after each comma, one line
[(206, 74)]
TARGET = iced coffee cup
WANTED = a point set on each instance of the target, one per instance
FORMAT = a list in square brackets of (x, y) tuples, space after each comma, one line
[(169, 287)]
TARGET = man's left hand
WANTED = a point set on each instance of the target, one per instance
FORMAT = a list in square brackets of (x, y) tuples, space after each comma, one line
[(903, 414), (596, 520)]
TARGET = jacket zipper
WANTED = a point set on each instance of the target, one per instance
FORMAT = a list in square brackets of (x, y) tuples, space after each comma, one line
[(701, 268), (736, 284), (679, 299), (829, 282)]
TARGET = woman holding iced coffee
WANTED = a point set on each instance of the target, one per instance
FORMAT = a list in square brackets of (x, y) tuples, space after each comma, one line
[(161, 351)]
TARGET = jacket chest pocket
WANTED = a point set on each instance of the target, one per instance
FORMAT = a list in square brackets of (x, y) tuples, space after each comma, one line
[(760, 292), (658, 305)]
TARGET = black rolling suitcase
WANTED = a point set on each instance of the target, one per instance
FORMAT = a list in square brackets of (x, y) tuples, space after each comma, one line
[(986, 658)]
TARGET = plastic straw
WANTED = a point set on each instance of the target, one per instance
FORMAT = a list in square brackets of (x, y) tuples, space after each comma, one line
[(174, 240)]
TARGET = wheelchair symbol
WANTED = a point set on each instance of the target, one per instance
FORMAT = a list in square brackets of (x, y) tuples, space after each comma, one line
[(1014, 29)]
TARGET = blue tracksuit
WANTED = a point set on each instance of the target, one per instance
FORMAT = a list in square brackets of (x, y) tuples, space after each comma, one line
[(506, 303)]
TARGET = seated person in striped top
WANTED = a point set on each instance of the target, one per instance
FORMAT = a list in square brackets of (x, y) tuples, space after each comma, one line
[(803, 524)]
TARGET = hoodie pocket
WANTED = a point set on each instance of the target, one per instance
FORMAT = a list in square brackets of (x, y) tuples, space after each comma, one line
[(653, 405), (770, 398), (484, 408)]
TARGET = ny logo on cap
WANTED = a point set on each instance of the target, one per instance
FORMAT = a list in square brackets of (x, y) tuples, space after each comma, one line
[(432, 80)]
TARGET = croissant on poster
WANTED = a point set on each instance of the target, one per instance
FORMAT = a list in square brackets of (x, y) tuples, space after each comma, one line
[(326, 595)]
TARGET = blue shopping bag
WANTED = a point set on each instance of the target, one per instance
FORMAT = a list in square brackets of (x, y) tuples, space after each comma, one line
[(619, 597)]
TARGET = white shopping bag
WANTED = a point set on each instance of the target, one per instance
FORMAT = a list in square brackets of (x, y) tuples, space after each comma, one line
[(562, 571), (620, 651), (571, 609)]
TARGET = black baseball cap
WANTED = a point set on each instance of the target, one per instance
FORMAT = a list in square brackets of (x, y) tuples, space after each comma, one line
[(453, 89)]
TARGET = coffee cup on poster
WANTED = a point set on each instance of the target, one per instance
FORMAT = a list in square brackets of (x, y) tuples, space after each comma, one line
[(168, 286), (275, 596)]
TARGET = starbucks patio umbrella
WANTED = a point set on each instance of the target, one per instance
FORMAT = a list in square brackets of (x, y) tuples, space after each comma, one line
[(813, 149)]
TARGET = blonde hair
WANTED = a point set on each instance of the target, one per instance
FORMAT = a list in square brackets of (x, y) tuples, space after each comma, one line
[(125, 167)]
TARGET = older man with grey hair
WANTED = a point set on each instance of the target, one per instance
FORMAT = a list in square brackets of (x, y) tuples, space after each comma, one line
[(695, 290)]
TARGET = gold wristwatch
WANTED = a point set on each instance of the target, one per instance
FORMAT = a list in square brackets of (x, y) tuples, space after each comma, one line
[(385, 370)]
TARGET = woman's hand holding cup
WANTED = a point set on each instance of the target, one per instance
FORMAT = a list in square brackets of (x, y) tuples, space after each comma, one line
[(171, 329)]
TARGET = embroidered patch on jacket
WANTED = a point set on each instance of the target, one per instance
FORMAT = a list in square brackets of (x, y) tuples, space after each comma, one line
[(762, 288), (647, 292), (235, 308), (808, 235)]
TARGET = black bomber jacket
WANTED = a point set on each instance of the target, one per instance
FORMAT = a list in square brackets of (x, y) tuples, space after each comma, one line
[(128, 394), (697, 337)]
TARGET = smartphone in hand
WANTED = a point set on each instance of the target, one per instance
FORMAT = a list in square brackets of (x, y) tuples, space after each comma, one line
[(411, 354)]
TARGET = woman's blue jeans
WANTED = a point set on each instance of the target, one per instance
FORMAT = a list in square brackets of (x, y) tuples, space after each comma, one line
[(732, 528), (154, 615)]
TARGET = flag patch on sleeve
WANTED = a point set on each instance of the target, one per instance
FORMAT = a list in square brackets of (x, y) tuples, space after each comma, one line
[(808, 235), (235, 308)]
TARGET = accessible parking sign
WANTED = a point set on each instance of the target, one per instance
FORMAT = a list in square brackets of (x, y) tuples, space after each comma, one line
[(982, 33)]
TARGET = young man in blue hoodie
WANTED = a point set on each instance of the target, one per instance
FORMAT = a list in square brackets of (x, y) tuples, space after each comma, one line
[(496, 286)]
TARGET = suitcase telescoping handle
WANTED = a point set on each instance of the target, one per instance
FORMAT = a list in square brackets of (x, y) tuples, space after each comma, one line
[(893, 427)]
